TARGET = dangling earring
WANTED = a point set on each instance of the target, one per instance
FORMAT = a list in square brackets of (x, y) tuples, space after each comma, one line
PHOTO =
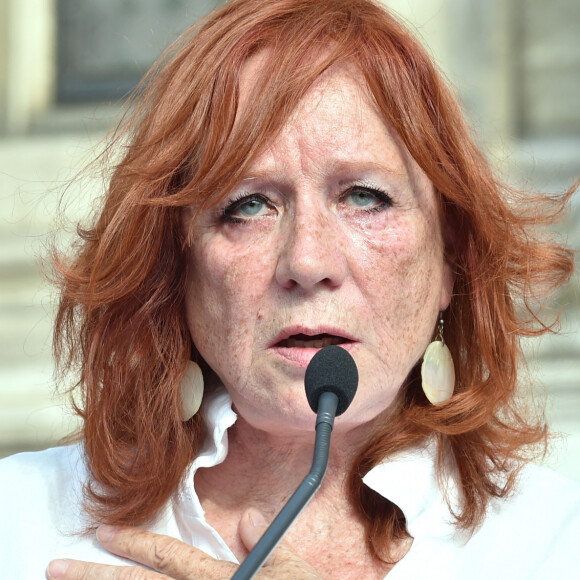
[(437, 370), (191, 390)]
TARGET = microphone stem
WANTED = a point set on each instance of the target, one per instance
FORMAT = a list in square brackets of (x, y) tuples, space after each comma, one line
[(327, 404)]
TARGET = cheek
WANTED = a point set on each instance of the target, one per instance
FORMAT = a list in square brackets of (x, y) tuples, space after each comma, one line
[(408, 250), (405, 277), (224, 296)]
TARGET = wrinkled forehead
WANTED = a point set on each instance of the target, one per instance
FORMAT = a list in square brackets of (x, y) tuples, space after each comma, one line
[(342, 82), (256, 69)]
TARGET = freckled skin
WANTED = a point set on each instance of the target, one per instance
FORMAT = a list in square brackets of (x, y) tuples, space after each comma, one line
[(314, 258)]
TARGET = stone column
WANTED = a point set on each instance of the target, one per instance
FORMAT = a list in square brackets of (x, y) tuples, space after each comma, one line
[(27, 61)]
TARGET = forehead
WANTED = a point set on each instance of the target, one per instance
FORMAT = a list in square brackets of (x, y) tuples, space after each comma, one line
[(343, 75), (336, 116)]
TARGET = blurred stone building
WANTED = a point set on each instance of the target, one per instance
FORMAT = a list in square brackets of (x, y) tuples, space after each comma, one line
[(66, 64)]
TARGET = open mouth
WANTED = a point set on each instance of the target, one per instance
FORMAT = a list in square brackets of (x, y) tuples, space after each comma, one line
[(316, 341)]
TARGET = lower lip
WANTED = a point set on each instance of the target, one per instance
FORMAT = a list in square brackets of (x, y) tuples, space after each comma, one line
[(302, 356)]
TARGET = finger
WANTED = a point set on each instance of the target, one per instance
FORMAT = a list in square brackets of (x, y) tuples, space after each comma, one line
[(77, 570), (283, 563), (252, 527), (162, 553)]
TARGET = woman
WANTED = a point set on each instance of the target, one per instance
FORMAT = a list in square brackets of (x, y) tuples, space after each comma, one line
[(296, 174)]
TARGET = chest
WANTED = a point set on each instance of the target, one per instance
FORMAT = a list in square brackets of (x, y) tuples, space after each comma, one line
[(335, 549)]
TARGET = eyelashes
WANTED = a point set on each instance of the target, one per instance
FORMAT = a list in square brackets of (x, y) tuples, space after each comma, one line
[(366, 198), (246, 207)]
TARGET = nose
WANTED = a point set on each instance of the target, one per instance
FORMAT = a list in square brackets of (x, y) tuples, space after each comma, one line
[(312, 253)]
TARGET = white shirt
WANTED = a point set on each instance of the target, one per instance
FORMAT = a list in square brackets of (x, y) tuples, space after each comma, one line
[(534, 534)]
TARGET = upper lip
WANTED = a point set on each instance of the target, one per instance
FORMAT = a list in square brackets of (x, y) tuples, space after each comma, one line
[(291, 331)]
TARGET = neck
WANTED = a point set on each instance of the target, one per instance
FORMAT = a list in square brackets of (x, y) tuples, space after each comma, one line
[(262, 469)]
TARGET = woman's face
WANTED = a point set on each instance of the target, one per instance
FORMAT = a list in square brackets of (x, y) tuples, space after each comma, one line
[(332, 237)]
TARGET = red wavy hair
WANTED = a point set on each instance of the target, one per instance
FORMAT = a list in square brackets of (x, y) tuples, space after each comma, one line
[(121, 322)]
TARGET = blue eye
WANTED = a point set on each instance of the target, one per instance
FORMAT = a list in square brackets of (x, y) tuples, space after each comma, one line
[(245, 208), (366, 198), (362, 198), (251, 208)]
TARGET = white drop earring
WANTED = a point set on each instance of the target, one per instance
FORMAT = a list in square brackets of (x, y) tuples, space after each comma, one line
[(191, 391), (437, 370)]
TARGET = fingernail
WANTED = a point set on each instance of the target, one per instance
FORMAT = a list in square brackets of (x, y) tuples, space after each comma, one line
[(257, 519), (57, 568), (106, 533)]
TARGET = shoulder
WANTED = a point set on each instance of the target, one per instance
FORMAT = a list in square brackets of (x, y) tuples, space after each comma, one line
[(533, 532), (41, 502), (42, 491), (32, 478), (542, 492), (43, 464)]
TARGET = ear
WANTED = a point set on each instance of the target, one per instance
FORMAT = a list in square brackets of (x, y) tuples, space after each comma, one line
[(447, 284), (448, 280)]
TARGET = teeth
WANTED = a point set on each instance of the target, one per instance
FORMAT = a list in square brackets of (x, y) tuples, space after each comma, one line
[(316, 343)]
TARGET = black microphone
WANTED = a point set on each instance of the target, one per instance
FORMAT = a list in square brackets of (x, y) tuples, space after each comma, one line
[(330, 381), (331, 370)]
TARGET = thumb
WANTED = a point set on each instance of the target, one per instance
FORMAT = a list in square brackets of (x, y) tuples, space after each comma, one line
[(251, 528), (283, 562)]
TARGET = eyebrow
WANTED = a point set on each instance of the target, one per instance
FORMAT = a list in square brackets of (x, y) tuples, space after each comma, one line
[(339, 167)]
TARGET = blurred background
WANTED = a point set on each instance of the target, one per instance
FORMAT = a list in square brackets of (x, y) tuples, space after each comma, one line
[(65, 66)]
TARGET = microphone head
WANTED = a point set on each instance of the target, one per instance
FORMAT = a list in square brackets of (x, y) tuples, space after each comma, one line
[(331, 369)]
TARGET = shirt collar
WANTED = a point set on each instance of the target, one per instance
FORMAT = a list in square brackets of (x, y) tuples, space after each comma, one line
[(410, 480), (218, 416), (184, 516)]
